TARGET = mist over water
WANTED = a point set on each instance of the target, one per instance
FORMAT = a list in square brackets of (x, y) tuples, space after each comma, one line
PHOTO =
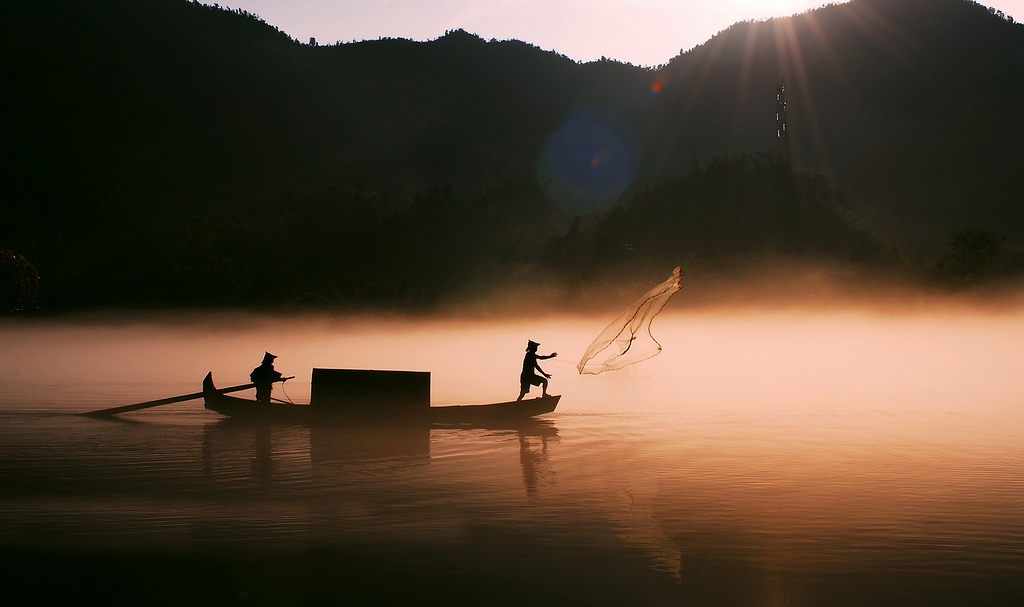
[(838, 457)]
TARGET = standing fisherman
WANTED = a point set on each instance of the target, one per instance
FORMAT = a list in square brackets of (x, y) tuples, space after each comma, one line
[(528, 377), (264, 377)]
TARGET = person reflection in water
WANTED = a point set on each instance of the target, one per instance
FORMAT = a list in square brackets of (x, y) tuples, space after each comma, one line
[(264, 377), (528, 377)]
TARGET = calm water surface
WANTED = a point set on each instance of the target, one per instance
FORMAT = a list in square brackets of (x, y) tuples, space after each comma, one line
[(762, 459)]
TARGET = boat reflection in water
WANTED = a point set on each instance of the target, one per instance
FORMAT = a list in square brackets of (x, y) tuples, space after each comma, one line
[(327, 449)]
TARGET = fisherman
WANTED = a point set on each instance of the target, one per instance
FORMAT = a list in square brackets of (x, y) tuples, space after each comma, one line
[(528, 377), (264, 377)]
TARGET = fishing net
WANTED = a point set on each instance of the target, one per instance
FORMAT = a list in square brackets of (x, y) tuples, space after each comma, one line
[(628, 339)]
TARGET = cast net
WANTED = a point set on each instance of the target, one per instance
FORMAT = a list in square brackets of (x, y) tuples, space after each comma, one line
[(628, 339)]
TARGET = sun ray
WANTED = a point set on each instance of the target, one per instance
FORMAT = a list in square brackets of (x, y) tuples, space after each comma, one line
[(803, 90), (781, 47), (852, 12), (693, 75), (713, 48), (746, 62), (895, 32), (836, 66)]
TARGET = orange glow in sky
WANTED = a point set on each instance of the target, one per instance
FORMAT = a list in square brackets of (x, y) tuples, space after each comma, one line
[(643, 32)]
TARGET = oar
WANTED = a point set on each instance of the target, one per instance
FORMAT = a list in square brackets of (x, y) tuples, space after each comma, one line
[(167, 401)]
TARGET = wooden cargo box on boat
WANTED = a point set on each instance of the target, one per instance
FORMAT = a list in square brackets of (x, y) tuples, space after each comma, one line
[(370, 393)]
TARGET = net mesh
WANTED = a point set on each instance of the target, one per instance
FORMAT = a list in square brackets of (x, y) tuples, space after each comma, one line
[(628, 340)]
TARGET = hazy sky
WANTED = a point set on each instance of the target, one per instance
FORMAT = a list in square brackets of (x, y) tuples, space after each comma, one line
[(645, 32)]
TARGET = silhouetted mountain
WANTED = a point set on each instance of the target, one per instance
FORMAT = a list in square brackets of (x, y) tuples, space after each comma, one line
[(160, 152), (913, 106), (199, 103)]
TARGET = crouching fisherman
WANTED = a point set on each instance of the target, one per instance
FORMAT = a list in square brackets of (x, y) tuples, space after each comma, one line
[(264, 377), (528, 378)]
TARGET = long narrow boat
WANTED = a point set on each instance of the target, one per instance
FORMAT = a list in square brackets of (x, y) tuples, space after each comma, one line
[(451, 414), (517, 409)]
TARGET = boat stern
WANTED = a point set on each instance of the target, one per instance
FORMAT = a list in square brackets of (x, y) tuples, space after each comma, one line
[(209, 390)]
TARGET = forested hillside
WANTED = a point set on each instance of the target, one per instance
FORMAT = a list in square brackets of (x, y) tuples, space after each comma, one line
[(163, 153)]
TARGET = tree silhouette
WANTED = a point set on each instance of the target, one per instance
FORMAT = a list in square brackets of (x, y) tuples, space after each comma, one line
[(19, 283), (973, 256)]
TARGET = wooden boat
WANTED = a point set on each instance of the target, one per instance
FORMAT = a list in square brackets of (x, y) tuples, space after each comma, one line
[(246, 408), (452, 414), (476, 414)]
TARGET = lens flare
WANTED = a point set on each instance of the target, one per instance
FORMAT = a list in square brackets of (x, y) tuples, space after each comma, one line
[(589, 161)]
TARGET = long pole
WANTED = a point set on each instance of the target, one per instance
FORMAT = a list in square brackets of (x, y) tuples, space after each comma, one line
[(164, 401)]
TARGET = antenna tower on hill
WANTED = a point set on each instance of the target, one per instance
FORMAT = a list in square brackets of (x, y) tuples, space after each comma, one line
[(780, 116)]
